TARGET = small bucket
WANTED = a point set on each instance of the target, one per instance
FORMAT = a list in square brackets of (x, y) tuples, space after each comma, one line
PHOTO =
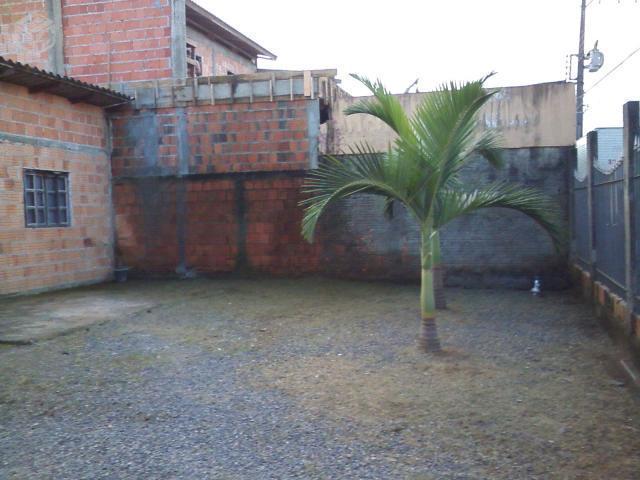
[(121, 274)]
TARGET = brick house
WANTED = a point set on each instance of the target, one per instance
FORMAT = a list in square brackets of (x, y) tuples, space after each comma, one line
[(55, 190), (180, 107)]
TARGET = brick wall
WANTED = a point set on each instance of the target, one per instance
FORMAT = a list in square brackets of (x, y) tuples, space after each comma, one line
[(613, 310), (26, 32), (117, 40), (241, 137), (230, 223), (252, 220), (45, 132)]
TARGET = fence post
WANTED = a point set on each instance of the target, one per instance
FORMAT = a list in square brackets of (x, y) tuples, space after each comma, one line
[(630, 113), (592, 149)]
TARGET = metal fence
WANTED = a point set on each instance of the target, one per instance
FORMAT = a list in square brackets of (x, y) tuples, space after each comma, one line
[(605, 192), (580, 206), (634, 214)]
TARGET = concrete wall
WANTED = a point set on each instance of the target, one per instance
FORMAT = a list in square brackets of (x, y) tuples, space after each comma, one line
[(492, 248), (541, 115), (216, 187), (218, 59), (117, 41), (30, 32), (41, 131)]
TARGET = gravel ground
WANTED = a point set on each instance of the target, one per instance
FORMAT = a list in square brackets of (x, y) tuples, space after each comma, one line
[(275, 379)]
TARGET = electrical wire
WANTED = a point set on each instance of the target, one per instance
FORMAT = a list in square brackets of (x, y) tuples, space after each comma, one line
[(613, 69)]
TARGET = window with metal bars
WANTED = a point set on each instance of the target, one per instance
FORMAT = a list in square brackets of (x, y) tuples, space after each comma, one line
[(46, 198)]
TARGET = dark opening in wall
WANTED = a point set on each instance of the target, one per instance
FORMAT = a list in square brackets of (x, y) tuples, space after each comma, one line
[(194, 61)]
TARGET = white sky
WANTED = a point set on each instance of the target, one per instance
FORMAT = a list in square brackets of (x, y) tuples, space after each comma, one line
[(524, 41)]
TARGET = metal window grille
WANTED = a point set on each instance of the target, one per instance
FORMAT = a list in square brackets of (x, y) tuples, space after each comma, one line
[(46, 198)]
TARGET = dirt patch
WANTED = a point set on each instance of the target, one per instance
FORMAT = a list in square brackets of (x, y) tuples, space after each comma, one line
[(26, 320)]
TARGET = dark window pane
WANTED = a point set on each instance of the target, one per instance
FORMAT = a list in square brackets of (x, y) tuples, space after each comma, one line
[(40, 216), (29, 181), (30, 199), (31, 216), (62, 183), (62, 199), (53, 216), (50, 182), (52, 199), (39, 183), (63, 215), (39, 199)]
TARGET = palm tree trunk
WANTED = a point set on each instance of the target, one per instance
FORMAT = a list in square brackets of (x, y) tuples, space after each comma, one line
[(438, 274), (429, 341)]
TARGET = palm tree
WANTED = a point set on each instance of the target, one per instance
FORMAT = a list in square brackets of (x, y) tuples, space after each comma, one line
[(420, 171)]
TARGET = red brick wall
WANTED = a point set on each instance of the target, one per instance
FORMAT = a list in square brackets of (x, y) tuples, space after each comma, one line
[(50, 117), (268, 240), (117, 40), (243, 221), (42, 258), (211, 232), (241, 137), (146, 225), (26, 32), (273, 240)]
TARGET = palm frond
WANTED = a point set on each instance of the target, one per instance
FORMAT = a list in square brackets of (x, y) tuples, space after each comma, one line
[(445, 124), (364, 171), (388, 209), (383, 105), (529, 201), (487, 145)]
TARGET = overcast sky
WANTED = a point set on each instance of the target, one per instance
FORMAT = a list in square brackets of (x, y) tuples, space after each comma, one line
[(524, 41)]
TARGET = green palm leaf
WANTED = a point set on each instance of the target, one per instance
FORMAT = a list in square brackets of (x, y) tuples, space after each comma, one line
[(531, 202)]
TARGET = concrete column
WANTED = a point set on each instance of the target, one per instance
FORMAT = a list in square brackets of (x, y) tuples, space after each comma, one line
[(56, 53), (181, 189), (631, 131), (178, 38)]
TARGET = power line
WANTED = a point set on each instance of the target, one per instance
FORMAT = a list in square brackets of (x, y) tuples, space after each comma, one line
[(613, 69)]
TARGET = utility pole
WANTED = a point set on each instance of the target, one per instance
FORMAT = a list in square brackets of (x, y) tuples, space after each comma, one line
[(580, 78)]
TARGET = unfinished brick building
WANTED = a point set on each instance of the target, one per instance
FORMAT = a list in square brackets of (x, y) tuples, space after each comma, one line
[(189, 159), (190, 110)]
